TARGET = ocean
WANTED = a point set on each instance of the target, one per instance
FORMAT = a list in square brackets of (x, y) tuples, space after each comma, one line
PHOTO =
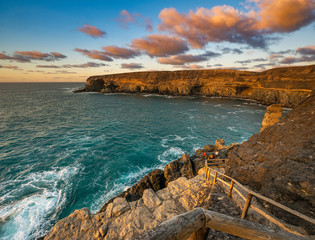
[(61, 151)]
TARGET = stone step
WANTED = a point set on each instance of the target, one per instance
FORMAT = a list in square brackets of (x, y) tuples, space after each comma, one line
[(125, 220)]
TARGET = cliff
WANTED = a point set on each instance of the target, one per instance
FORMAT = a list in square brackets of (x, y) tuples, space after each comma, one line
[(279, 161), (286, 86)]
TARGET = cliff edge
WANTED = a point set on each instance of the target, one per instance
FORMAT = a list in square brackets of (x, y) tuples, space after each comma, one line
[(279, 161), (287, 86)]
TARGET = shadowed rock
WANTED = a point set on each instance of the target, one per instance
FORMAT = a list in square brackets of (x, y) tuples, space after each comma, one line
[(180, 168), (279, 161)]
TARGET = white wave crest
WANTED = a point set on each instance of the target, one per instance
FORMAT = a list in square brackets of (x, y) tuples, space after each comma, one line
[(170, 154), (30, 217)]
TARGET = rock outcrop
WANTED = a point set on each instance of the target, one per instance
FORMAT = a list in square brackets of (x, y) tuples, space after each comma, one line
[(287, 86), (272, 116), (182, 167), (158, 179), (279, 161), (126, 220)]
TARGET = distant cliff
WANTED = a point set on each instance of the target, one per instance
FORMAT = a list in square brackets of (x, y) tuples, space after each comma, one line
[(287, 86)]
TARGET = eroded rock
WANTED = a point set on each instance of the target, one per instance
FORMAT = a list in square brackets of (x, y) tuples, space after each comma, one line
[(272, 116), (180, 168)]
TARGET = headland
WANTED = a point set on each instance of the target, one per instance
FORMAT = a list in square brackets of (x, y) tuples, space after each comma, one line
[(287, 86)]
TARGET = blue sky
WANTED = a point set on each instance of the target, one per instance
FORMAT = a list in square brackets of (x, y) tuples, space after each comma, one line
[(71, 40)]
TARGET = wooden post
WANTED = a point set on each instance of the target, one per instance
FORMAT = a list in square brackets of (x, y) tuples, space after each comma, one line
[(231, 188), (184, 225), (215, 177), (209, 173), (247, 204)]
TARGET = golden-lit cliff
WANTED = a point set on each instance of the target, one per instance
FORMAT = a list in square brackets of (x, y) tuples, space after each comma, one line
[(288, 86)]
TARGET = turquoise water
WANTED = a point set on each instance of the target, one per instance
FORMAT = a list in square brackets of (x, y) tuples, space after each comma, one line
[(60, 151)]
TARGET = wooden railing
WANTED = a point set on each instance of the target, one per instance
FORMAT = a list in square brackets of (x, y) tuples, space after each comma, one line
[(250, 193), (188, 224)]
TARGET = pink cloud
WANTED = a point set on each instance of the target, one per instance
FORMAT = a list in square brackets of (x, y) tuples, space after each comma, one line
[(285, 15), (83, 65), (309, 50), (275, 56), (193, 66), (218, 24), (131, 65), (11, 67), (109, 53), (182, 59), (289, 60), (27, 56), (119, 52), (160, 45), (92, 31), (126, 18), (225, 23), (94, 54)]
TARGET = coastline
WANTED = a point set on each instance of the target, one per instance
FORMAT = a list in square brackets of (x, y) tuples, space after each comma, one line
[(239, 165), (287, 86)]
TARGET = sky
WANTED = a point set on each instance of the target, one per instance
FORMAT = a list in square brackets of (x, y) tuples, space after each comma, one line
[(68, 41)]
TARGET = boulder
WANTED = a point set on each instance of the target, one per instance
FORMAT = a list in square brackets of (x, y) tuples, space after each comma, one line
[(154, 180), (182, 167), (78, 225), (272, 116), (219, 144), (208, 148)]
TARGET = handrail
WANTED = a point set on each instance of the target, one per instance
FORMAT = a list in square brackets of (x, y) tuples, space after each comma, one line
[(251, 193), (183, 225)]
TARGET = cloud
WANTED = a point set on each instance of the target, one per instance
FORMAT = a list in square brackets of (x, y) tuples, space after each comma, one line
[(211, 54), (256, 28), (60, 72), (193, 66), (36, 55), (309, 50), (304, 54), (231, 50), (10, 67), (160, 45), (290, 60), (109, 53), (218, 24), (84, 65), (131, 65), (27, 56), (182, 59), (244, 62), (94, 54), (125, 18), (275, 56), (264, 65), (118, 52), (92, 31), (285, 15), (230, 68), (283, 52)]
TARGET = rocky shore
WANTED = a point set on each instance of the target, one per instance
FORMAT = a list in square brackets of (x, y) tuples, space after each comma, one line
[(287, 86), (278, 162)]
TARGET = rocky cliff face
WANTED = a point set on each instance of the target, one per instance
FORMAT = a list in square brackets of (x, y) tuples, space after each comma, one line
[(287, 86), (279, 161)]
